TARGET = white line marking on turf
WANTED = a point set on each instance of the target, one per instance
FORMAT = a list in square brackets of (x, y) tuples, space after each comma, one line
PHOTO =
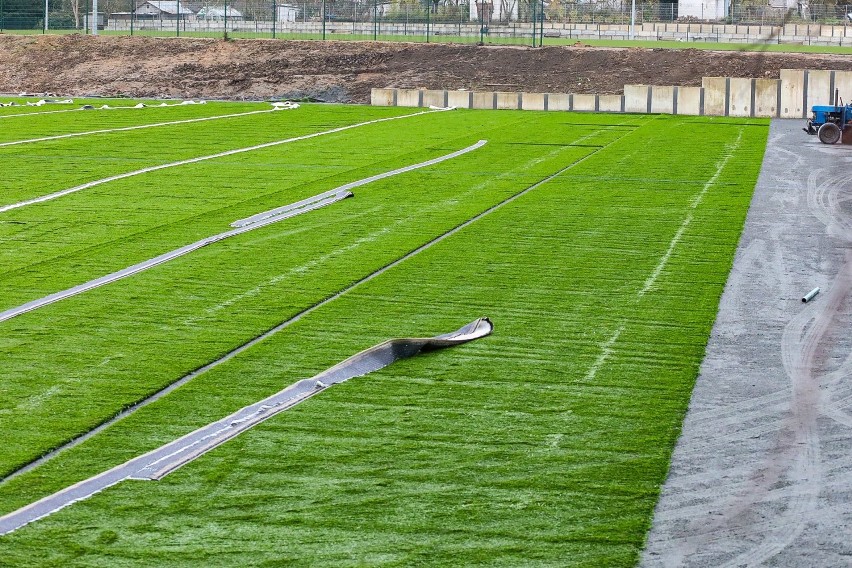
[(85, 108), (243, 226), (40, 113), (606, 351), (91, 184), (696, 201), (138, 127)]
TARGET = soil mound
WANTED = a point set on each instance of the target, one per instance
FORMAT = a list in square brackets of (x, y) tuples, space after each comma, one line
[(337, 71)]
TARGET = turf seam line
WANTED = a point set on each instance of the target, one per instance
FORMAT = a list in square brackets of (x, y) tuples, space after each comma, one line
[(242, 226), (129, 128), (606, 351), (161, 461), (696, 201), (70, 190), (286, 323)]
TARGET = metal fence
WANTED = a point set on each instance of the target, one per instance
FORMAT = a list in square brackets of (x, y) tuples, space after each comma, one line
[(482, 21)]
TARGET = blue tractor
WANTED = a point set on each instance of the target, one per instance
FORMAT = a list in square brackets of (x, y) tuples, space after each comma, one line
[(831, 123)]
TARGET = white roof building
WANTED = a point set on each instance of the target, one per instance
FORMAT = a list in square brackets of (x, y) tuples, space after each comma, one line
[(216, 13), (171, 9)]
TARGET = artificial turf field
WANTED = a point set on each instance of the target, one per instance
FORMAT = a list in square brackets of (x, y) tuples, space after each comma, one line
[(543, 444)]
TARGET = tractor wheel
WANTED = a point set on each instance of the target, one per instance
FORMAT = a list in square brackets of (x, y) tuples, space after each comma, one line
[(829, 133)]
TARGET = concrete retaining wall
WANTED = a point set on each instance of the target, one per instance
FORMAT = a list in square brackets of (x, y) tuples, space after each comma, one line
[(791, 96)]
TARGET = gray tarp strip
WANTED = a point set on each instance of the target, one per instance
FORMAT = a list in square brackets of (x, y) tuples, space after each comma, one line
[(243, 226), (162, 461), (365, 181), (145, 265)]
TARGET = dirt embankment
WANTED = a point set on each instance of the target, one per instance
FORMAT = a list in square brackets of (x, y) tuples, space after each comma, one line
[(345, 71)]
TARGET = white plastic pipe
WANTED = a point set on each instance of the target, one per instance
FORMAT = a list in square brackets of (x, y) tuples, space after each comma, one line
[(810, 295)]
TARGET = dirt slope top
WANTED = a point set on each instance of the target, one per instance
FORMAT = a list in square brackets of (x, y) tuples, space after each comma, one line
[(345, 71)]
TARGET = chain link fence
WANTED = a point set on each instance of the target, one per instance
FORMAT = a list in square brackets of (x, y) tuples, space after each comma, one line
[(529, 22)]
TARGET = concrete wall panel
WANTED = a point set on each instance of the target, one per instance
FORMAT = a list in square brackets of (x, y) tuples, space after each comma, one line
[(609, 103), (532, 101), (689, 100), (585, 102), (558, 102), (819, 89), (483, 101), (766, 99), (662, 99), (409, 97), (793, 93), (740, 97), (843, 81), (715, 95), (636, 98), (507, 101), (459, 99), (383, 97), (435, 98)]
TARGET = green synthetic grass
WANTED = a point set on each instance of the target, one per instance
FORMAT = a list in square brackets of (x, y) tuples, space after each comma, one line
[(64, 163), (22, 123), (150, 221), (504, 451)]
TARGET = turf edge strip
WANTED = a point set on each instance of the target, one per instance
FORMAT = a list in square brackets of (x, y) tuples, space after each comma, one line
[(158, 463)]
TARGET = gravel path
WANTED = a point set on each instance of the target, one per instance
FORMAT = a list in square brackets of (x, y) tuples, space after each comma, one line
[(762, 473)]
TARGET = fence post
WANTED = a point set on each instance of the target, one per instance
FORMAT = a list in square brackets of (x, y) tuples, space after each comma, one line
[(481, 23), (324, 16), (274, 17), (86, 19), (533, 20), (375, 19), (1, 16), (177, 20), (541, 27), (428, 19), (132, 14), (226, 20)]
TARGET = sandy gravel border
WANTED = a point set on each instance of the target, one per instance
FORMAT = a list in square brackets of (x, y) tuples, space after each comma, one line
[(762, 473)]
